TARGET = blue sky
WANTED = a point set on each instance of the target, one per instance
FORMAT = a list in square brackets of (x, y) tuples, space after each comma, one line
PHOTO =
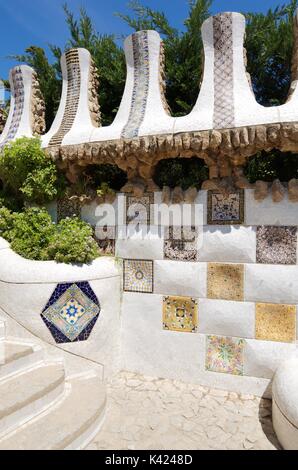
[(39, 22)]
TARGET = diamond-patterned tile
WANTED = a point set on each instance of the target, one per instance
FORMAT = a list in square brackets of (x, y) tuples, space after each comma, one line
[(138, 276), (71, 312), (224, 354), (277, 245), (225, 281), (225, 209), (276, 322), (139, 209), (180, 314), (181, 244)]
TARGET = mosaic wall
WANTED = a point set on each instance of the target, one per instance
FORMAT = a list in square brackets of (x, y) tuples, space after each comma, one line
[(140, 86), (224, 113), (277, 245), (18, 91), (180, 314), (225, 209), (139, 209), (181, 244), (138, 276), (72, 97), (71, 312), (68, 208), (106, 239)]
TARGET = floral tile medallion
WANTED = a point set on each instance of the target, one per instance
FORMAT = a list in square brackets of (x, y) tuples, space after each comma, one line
[(225, 209), (225, 281), (138, 276), (224, 354), (276, 245), (71, 312), (276, 322), (180, 314)]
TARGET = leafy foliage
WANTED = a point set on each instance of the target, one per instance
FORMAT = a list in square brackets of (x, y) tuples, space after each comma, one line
[(182, 172), (270, 166), (33, 235), (28, 173)]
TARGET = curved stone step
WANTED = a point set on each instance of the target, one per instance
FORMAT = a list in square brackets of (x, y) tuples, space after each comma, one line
[(16, 356), (70, 424), (25, 395)]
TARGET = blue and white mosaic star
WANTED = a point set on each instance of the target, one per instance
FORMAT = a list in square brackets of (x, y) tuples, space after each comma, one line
[(71, 312)]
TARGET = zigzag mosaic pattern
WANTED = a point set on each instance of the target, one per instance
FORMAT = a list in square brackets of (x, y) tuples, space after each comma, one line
[(141, 85), (19, 96), (72, 98)]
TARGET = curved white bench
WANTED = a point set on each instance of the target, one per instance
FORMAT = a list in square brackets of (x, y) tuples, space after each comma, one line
[(285, 403)]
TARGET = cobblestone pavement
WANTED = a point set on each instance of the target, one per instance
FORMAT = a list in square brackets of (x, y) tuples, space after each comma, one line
[(149, 413)]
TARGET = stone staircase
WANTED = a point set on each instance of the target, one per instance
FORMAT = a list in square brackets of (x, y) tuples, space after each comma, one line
[(42, 408)]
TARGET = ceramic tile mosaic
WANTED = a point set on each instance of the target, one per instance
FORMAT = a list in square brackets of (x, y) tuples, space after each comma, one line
[(224, 354), (276, 322), (68, 208), (105, 237), (225, 209), (72, 96), (181, 243), (139, 209), (277, 245), (71, 312), (138, 276), (18, 92), (224, 112), (180, 314), (225, 281), (140, 86)]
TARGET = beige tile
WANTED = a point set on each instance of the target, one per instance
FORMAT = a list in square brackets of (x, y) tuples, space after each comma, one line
[(225, 281), (180, 314), (276, 322)]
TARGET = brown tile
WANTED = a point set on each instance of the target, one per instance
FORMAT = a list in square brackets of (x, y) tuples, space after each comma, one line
[(276, 322), (225, 281)]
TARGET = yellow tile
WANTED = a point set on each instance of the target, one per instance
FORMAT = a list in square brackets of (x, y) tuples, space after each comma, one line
[(276, 322), (226, 281), (180, 314)]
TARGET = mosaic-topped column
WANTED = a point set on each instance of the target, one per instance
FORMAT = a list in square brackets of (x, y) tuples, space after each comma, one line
[(26, 116), (79, 111)]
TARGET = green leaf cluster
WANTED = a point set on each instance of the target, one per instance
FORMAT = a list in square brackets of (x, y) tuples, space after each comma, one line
[(184, 172)]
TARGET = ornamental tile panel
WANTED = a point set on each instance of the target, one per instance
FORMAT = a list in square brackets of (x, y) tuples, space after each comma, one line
[(277, 245), (225, 281), (224, 354), (139, 209), (105, 237), (276, 322), (71, 312), (18, 91), (180, 314), (68, 208), (225, 209), (138, 276), (181, 244)]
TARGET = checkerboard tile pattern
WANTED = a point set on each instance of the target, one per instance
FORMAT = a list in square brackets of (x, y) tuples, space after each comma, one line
[(276, 245), (71, 312), (138, 276), (225, 209), (224, 354), (276, 322), (180, 314), (225, 281)]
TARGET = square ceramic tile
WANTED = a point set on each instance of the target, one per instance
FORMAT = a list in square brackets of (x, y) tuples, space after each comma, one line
[(71, 312), (275, 322), (106, 239), (277, 245), (225, 281), (180, 314), (225, 209), (139, 209), (180, 243), (224, 354), (138, 276), (68, 208)]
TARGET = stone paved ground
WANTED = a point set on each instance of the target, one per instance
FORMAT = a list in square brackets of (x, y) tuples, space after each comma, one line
[(149, 413)]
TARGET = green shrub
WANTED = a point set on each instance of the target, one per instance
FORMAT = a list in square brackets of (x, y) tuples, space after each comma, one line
[(28, 172), (269, 166), (33, 235), (106, 173), (73, 242), (184, 172)]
